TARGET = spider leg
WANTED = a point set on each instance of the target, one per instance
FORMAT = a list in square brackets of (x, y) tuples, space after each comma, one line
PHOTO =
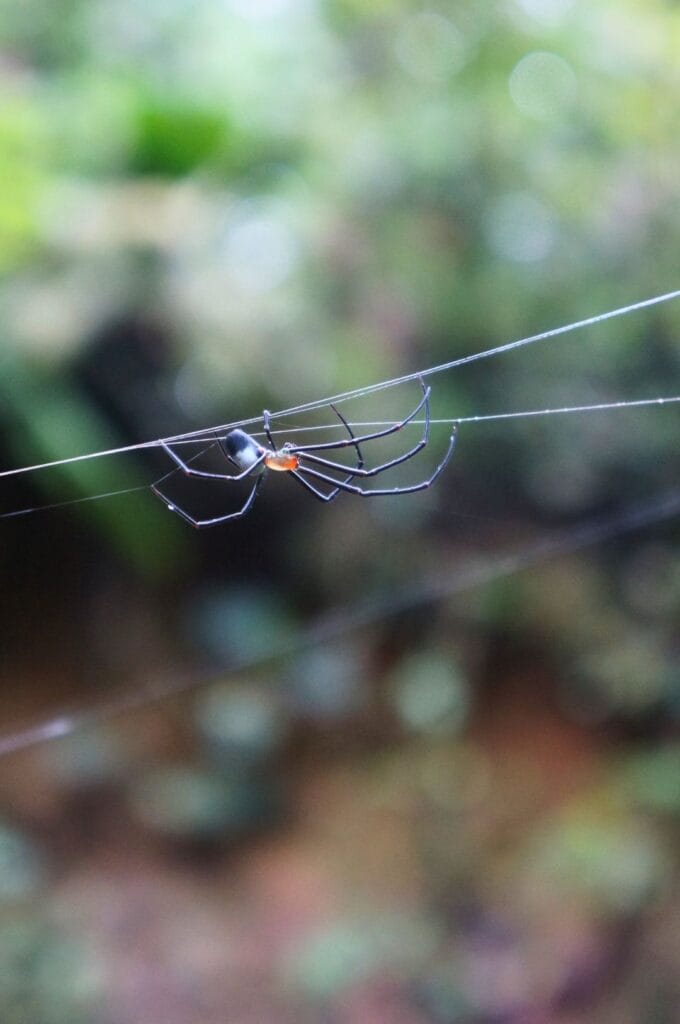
[(410, 489), (363, 473), (223, 447), (267, 419), (190, 471), (360, 462), (345, 443), (359, 470), (360, 459), (199, 524), (266, 416), (329, 496)]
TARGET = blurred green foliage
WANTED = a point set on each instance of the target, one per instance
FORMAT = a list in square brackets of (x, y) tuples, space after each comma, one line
[(293, 198), (429, 179), (311, 196), (307, 197), (175, 140)]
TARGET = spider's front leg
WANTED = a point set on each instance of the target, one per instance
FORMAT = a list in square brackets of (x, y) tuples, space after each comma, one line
[(343, 485)]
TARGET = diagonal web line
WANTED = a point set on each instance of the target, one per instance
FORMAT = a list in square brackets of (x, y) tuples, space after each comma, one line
[(484, 418), (365, 390), (342, 621)]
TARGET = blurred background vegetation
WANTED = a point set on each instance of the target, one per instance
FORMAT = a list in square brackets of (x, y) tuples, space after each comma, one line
[(461, 811)]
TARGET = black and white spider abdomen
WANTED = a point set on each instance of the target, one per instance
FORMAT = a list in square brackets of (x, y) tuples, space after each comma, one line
[(242, 449)]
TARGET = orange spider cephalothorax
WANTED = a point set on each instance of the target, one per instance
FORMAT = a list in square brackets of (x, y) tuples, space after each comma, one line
[(281, 461)]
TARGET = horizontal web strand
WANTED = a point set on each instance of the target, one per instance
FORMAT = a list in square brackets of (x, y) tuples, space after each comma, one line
[(485, 417), (563, 410)]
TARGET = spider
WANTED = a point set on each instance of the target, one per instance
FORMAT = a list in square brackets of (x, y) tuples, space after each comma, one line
[(254, 459)]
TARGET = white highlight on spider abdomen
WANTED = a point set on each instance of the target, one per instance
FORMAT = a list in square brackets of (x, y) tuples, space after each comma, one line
[(242, 449)]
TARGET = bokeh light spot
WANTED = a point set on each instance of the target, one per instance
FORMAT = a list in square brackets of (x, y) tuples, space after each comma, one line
[(430, 47), (260, 249), (543, 86), (519, 227), (430, 693), (547, 12)]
